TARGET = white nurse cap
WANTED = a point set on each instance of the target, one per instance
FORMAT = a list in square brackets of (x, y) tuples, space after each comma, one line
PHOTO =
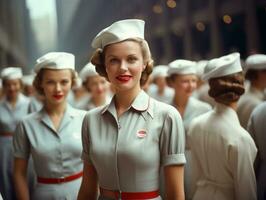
[(256, 61), (223, 66), (11, 73), (159, 71), (55, 60), (119, 31), (87, 71), (28, 79), (200, 67), (182, 67)]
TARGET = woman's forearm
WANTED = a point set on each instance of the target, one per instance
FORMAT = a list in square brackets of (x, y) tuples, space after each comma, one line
[(21, 186)]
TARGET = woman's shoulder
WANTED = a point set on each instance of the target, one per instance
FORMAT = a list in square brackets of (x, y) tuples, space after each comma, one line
[(200, 104), (164, 109)]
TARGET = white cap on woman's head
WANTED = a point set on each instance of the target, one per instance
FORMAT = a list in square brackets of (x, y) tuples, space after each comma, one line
[(223, 66), (200, 67), (182, 67), (256, 61), (28, 79), (87, 71), (159, 71), (119, 31), (55, 60), (11, 73)]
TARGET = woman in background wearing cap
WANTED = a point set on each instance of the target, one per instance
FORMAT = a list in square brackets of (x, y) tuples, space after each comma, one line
[(201, 92), (13, 107), (222, 151), (52, 135), (35, 99), (159, 90), (126, 142), (183, 79), (96, 85), (256, 74)]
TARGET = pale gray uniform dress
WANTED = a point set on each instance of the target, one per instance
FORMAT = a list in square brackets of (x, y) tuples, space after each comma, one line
[(55, 153), (247, 103), (9, 118), (127, 152), (257, 129), (193, 109), (223, 154)]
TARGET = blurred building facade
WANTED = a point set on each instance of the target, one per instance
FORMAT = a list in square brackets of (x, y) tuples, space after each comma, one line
[(191, 29), (17, 41)]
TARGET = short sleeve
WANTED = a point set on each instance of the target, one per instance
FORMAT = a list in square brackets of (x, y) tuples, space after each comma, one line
[(21, 144), (172, 140), (85, 141)]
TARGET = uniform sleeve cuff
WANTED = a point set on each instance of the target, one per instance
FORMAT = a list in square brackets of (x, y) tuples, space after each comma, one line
[(21, 155), (174, 159)]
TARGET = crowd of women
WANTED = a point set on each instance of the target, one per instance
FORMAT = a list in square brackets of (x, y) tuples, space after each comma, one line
[(122, 128)]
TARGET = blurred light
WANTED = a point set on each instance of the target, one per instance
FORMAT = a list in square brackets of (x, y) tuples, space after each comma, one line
[(171, 3), (227, 19), (200, 26), (157, 9)]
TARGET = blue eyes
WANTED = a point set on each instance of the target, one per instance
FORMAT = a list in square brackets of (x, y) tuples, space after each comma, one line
[(129, 60)]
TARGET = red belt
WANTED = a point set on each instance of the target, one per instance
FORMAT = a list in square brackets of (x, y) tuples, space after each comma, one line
[(6, 134), (129, 195), (59, 180)]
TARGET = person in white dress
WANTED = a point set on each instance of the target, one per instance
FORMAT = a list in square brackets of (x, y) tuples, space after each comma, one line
[(256, 74), (222, 151), (182, 78)]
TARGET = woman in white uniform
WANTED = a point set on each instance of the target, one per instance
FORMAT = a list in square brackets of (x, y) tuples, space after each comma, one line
[(126, 142), (52, 136), (96, 85), (256, 74), (13, 107), (222, 151), (256, 128), (183, 79), (159, 90)]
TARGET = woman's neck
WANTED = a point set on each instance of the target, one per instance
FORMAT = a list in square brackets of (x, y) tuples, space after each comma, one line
[(257, 85), (181, 103), (233, 105), (161, 90), (123, 99), (98, 101), (12, 100), (57, 109)]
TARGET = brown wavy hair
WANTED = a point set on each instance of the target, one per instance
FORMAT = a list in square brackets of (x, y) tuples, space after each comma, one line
[(227, 89), (39, 77), (98, 59)]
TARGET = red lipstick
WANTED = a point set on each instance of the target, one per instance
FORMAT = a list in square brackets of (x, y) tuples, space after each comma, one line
[(58, 96), (124, 78)]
